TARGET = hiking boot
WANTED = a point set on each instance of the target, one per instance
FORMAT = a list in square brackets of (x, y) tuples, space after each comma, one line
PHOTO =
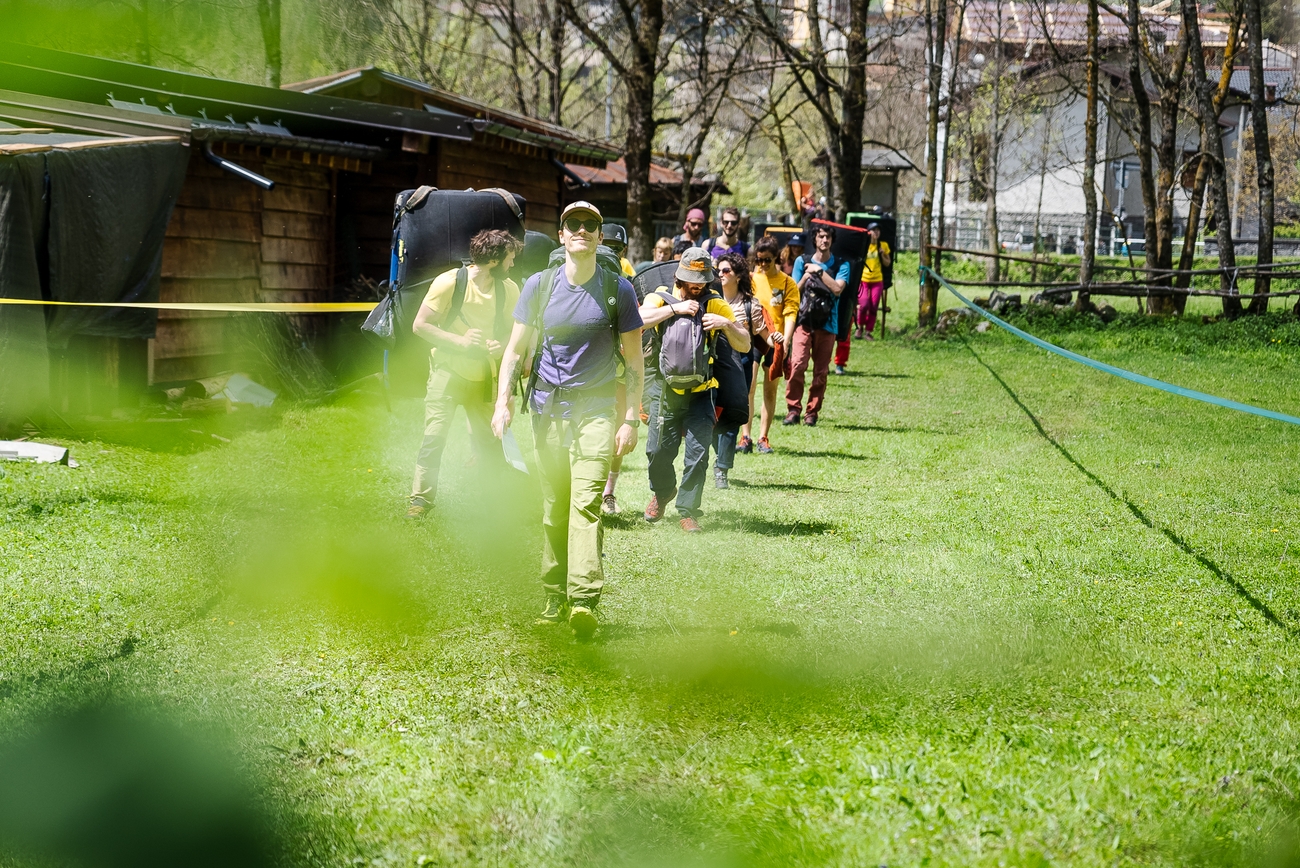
[(554, 611), (689, 524), (765, 448), (720, 478), (791, 418), (417, 510), (582, 620), (839, 369), (746, 446), (654, 510), (810, 420), (609, 505)]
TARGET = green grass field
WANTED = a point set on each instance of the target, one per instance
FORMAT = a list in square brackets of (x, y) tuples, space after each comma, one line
[(996, 609)]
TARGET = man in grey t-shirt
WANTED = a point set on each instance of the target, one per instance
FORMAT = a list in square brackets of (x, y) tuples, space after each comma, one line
[(581, 319)]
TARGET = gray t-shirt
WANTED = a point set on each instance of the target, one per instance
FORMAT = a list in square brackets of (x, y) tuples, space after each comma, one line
[(576, 349)]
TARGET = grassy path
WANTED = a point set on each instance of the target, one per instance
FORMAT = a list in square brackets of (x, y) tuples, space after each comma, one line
[(995, 610)]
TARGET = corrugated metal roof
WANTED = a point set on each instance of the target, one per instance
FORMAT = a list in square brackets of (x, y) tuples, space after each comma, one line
[(95, 80), (1280, 79), (499, 122), (615, 172)]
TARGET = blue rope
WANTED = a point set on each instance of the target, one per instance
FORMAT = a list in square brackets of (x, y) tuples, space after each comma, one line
[(1111, 369)]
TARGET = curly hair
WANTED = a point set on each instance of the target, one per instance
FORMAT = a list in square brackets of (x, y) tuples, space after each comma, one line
[(492, 245), (739, 265)]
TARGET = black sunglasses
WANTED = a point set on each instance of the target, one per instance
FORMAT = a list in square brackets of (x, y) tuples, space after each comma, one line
[(730, 222), (574, 224), (763, 260), (726, 270)]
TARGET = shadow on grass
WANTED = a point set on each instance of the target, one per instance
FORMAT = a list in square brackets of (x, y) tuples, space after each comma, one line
[(767, 527), (884, 429), (778, 486), (876, 376), (1182, 544), (807, 453)]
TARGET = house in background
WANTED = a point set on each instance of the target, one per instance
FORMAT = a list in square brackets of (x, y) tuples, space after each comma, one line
[(606, 187), (1040, 167)]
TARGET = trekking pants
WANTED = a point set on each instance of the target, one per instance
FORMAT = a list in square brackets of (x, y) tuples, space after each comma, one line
[(573, 462), (810, 346), (686, 417), (446, 392)]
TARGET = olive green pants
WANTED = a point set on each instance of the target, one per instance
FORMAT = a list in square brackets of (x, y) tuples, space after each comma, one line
[(573, 460), (446, 392)]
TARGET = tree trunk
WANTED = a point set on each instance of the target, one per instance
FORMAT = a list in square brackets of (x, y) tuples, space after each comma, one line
[(556, 72), (1142, 144), (941, 205), (936, 35), (1168, 159), (268, 13), (853, 110), (1087, 256), (1214, 148), (994, 268), (637, 153), (1263, 155)]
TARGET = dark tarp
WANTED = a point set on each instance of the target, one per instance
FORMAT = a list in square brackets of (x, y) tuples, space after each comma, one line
[(24, 359), (109, 208)]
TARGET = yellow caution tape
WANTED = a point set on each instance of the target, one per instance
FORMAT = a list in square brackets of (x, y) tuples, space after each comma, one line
[(232, 306)]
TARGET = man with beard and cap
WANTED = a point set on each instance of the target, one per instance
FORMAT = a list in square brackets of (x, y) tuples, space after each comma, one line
[(466, 316)]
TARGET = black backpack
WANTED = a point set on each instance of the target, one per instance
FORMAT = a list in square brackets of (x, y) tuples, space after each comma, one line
[(816, 303)]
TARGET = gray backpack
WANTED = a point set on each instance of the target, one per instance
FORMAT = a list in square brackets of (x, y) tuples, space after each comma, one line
[(684, 347)]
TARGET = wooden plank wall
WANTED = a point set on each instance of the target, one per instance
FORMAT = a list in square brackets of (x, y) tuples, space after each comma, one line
[(230, 241), (486, 162), (365, 214)]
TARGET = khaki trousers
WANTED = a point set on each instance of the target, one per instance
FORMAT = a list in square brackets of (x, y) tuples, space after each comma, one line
[(446, 392), (573, 459)]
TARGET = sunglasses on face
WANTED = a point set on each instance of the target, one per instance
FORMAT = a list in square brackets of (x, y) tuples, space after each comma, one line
[(725, 271), (763, 260), (576, 224), (730, 222)]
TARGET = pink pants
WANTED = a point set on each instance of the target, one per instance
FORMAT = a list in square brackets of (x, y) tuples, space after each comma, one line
[(868, 304)]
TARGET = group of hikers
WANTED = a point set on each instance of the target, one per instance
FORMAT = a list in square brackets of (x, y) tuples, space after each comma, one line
[(595, 359)]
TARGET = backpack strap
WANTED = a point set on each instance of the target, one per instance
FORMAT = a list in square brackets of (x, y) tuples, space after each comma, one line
[(609, 300), (545, 287), (458, 294), (413, 201), (510, 200)]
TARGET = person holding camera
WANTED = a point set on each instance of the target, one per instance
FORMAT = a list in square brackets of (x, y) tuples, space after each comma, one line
[(822, 277)]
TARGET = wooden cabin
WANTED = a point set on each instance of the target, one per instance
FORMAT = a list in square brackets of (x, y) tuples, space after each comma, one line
[(229, 239), (524, 155)]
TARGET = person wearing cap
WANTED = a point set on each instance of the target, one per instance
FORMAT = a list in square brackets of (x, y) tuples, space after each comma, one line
[(588, 332), (615, 238), (873, 282), (687, 415), (793, 250), (694, 227)]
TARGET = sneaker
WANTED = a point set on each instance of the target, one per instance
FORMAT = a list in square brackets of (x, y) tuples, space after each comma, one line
[(689, 524), (720, 478), (839, 369), (765, 448), (582, 620), (417, 510), (745, 446), (653, 510), (609, 505), (791, 418), (554, 611), (869, 336), (810, 420)]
